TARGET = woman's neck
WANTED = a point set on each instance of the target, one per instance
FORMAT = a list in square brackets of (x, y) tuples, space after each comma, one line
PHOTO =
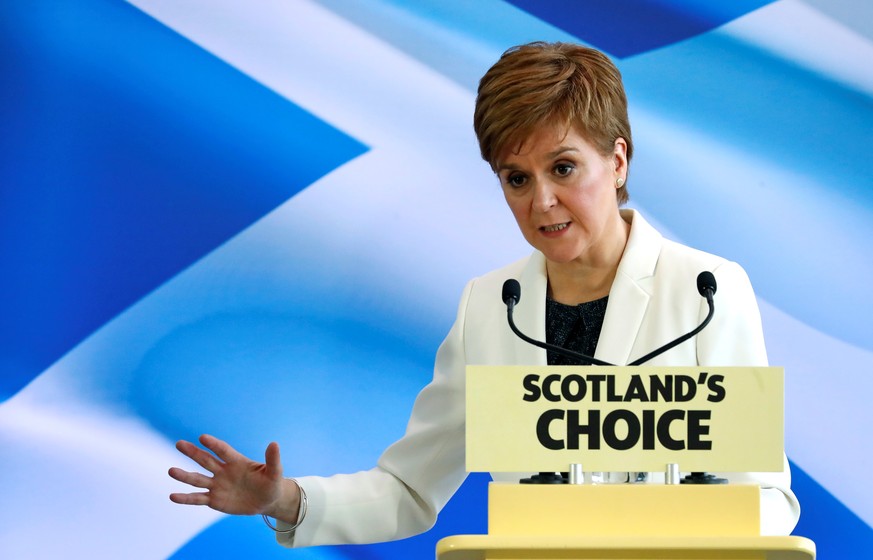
[(588, 279), (575, 289)]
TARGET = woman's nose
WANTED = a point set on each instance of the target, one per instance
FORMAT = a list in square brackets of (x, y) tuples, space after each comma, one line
[(544, 196)]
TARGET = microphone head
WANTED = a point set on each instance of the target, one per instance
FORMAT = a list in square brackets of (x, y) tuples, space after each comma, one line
[(706, 283), (511, 291)]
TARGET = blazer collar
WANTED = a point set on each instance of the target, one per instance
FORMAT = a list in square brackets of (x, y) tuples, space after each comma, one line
[(628, 298), (530, 312)]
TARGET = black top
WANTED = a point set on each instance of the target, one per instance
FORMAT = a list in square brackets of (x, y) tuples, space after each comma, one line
[(575, 327)]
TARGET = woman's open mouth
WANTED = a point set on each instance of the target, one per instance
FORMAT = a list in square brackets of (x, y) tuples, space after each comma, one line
[(555, 227)]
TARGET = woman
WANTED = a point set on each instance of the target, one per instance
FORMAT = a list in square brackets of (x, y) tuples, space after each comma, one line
[(552, 122)]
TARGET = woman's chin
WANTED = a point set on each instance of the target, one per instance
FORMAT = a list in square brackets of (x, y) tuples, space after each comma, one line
[(560, 257)]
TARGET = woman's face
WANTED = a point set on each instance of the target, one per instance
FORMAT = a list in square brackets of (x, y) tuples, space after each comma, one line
[(562, 192)]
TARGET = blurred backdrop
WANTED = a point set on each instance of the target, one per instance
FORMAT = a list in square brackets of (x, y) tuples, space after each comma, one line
[(255, 219)]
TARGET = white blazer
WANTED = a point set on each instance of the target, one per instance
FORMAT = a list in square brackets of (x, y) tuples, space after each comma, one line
[(653, 300)]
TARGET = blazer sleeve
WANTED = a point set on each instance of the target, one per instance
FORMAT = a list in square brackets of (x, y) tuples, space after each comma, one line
[(735, 337), (414, 478)]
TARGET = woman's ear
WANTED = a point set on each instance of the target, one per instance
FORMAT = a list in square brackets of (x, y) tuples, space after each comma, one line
[(619, 157)]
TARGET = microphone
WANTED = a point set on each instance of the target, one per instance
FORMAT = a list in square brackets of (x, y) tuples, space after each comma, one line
[(511, 296), (706, 287), (511, 292), (706, 284)]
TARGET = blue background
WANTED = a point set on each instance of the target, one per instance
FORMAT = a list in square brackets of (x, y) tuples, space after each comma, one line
[(199, 241)]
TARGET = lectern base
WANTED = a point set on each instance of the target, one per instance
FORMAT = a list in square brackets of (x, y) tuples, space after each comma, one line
[(489, 547), (623, 522)]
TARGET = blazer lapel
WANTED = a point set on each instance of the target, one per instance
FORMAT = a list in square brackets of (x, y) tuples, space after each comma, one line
[(530, 313), (630, 292)]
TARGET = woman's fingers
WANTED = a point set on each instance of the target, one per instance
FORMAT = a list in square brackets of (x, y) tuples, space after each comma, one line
[(221, 448), (194, 479), (199, 456), (273, 461), (191, 499)]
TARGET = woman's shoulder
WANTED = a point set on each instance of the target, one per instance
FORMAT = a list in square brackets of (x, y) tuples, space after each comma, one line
[(678, 253), (671, 262), (511, 270), (529, 271), (670, 252)]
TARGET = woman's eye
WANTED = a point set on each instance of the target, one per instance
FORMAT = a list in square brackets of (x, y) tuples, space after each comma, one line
[(563, 169), (515, 180)]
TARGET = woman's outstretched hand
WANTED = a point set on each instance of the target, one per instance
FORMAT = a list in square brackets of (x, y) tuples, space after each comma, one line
[(238, 485)]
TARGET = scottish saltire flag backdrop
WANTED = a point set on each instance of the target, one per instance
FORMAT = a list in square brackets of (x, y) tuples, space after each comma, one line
[(254, 219)]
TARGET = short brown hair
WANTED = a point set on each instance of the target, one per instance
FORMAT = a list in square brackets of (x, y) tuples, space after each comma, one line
[(551, 83)]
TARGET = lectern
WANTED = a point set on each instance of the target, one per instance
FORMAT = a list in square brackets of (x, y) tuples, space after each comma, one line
[(509, 429)]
